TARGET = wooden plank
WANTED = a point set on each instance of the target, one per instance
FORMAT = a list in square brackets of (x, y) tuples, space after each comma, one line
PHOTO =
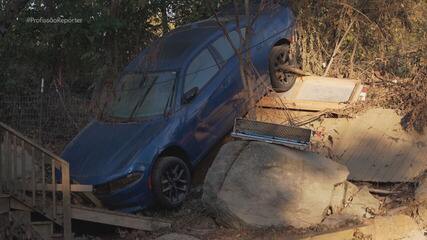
[(92, 198), (66, 201), (43, 169), (271, 102), (13, 165), (12, 131), (7, 158), (18, 205), (4, 204), (49, 187), (23, 175), (33, 176), (54, 186), (118, 219), (392, 227), (2, 160)]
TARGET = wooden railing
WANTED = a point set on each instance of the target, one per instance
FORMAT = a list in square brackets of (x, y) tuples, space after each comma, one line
[(36, 177)]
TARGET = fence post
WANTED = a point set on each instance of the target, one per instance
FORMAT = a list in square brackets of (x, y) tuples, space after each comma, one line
[(41, 110), (66, 198)]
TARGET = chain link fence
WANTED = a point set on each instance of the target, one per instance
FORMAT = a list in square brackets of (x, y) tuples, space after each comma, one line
[(51, 119)]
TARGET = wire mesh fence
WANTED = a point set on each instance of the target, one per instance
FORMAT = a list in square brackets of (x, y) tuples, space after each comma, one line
[(51, 119)]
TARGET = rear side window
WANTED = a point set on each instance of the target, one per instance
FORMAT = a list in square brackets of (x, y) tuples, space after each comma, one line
[(223, 46), (201, 70)]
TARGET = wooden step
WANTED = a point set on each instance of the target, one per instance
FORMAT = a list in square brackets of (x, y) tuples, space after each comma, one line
[(43, 228), (4, 203)]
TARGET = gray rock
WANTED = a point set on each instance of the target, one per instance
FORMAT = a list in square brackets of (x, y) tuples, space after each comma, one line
[(363, 204), (342, 194), (176, 236), (259, 185)]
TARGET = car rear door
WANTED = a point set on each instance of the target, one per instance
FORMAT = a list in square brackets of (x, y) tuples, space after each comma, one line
[(202, 73), (213, 110)]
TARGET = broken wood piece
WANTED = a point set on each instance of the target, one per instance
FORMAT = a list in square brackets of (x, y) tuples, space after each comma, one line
[(382, 191), (391, 227), (295, 70)]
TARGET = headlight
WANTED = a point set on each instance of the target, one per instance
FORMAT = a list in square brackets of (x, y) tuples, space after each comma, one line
[(118, 183)]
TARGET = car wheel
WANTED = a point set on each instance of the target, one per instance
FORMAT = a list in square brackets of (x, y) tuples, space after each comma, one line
[(171, 181), (281, 81)]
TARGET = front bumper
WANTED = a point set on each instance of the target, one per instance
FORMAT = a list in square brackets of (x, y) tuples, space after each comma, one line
[(130, 198)]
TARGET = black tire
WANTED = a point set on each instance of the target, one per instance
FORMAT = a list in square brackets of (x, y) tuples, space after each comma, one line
[(171, 181), (281, 81)]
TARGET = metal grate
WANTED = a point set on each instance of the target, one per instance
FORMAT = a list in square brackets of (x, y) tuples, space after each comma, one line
[(273, 133)]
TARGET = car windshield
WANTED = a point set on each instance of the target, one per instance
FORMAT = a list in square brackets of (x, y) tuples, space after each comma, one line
[(142, 95)]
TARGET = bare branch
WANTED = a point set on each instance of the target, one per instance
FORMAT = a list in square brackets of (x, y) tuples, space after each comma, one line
[(337, 47)]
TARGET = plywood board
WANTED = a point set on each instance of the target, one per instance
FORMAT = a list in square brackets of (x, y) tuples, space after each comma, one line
[(316, 94), (374, 146)]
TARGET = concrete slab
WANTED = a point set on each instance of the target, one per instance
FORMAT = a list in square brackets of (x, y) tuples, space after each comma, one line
[(374, 146)]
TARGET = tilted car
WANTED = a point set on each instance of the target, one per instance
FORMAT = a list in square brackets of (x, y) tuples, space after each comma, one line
[(173, 102)]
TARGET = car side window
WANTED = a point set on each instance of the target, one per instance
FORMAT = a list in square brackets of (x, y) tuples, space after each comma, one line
[(200, 71), (223, 46)]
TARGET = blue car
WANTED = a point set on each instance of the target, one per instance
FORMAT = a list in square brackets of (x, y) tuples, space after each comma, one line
[(172, 104)]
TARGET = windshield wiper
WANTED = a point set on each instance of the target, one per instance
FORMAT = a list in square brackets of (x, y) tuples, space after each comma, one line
[(170, 97), (141, 100)]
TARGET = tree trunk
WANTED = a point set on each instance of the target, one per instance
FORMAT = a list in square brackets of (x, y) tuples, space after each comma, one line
[(165, 23)]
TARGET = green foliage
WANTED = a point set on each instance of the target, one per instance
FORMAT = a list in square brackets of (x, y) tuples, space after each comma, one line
[(79, 55)]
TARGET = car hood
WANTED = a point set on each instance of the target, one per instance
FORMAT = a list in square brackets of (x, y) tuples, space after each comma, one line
[(104, 151)]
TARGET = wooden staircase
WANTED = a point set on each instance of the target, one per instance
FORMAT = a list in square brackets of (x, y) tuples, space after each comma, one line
[(34, 180)]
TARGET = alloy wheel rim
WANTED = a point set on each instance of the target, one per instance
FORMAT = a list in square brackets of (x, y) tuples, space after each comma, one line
[(281, 74), (174, 183)]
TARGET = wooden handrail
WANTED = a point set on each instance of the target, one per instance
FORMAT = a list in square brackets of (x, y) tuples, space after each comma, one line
[(31, 142), (18, 185)]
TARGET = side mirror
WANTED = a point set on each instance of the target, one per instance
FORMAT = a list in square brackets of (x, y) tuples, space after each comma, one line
[(190, 95)]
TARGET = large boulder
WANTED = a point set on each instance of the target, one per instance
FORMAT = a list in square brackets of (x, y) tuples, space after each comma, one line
[(256, 184)]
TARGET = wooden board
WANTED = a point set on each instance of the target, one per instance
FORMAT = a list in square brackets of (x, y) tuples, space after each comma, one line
[(118, 219), (316, 94), (49, 187), (383, 228), (4, 204)]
